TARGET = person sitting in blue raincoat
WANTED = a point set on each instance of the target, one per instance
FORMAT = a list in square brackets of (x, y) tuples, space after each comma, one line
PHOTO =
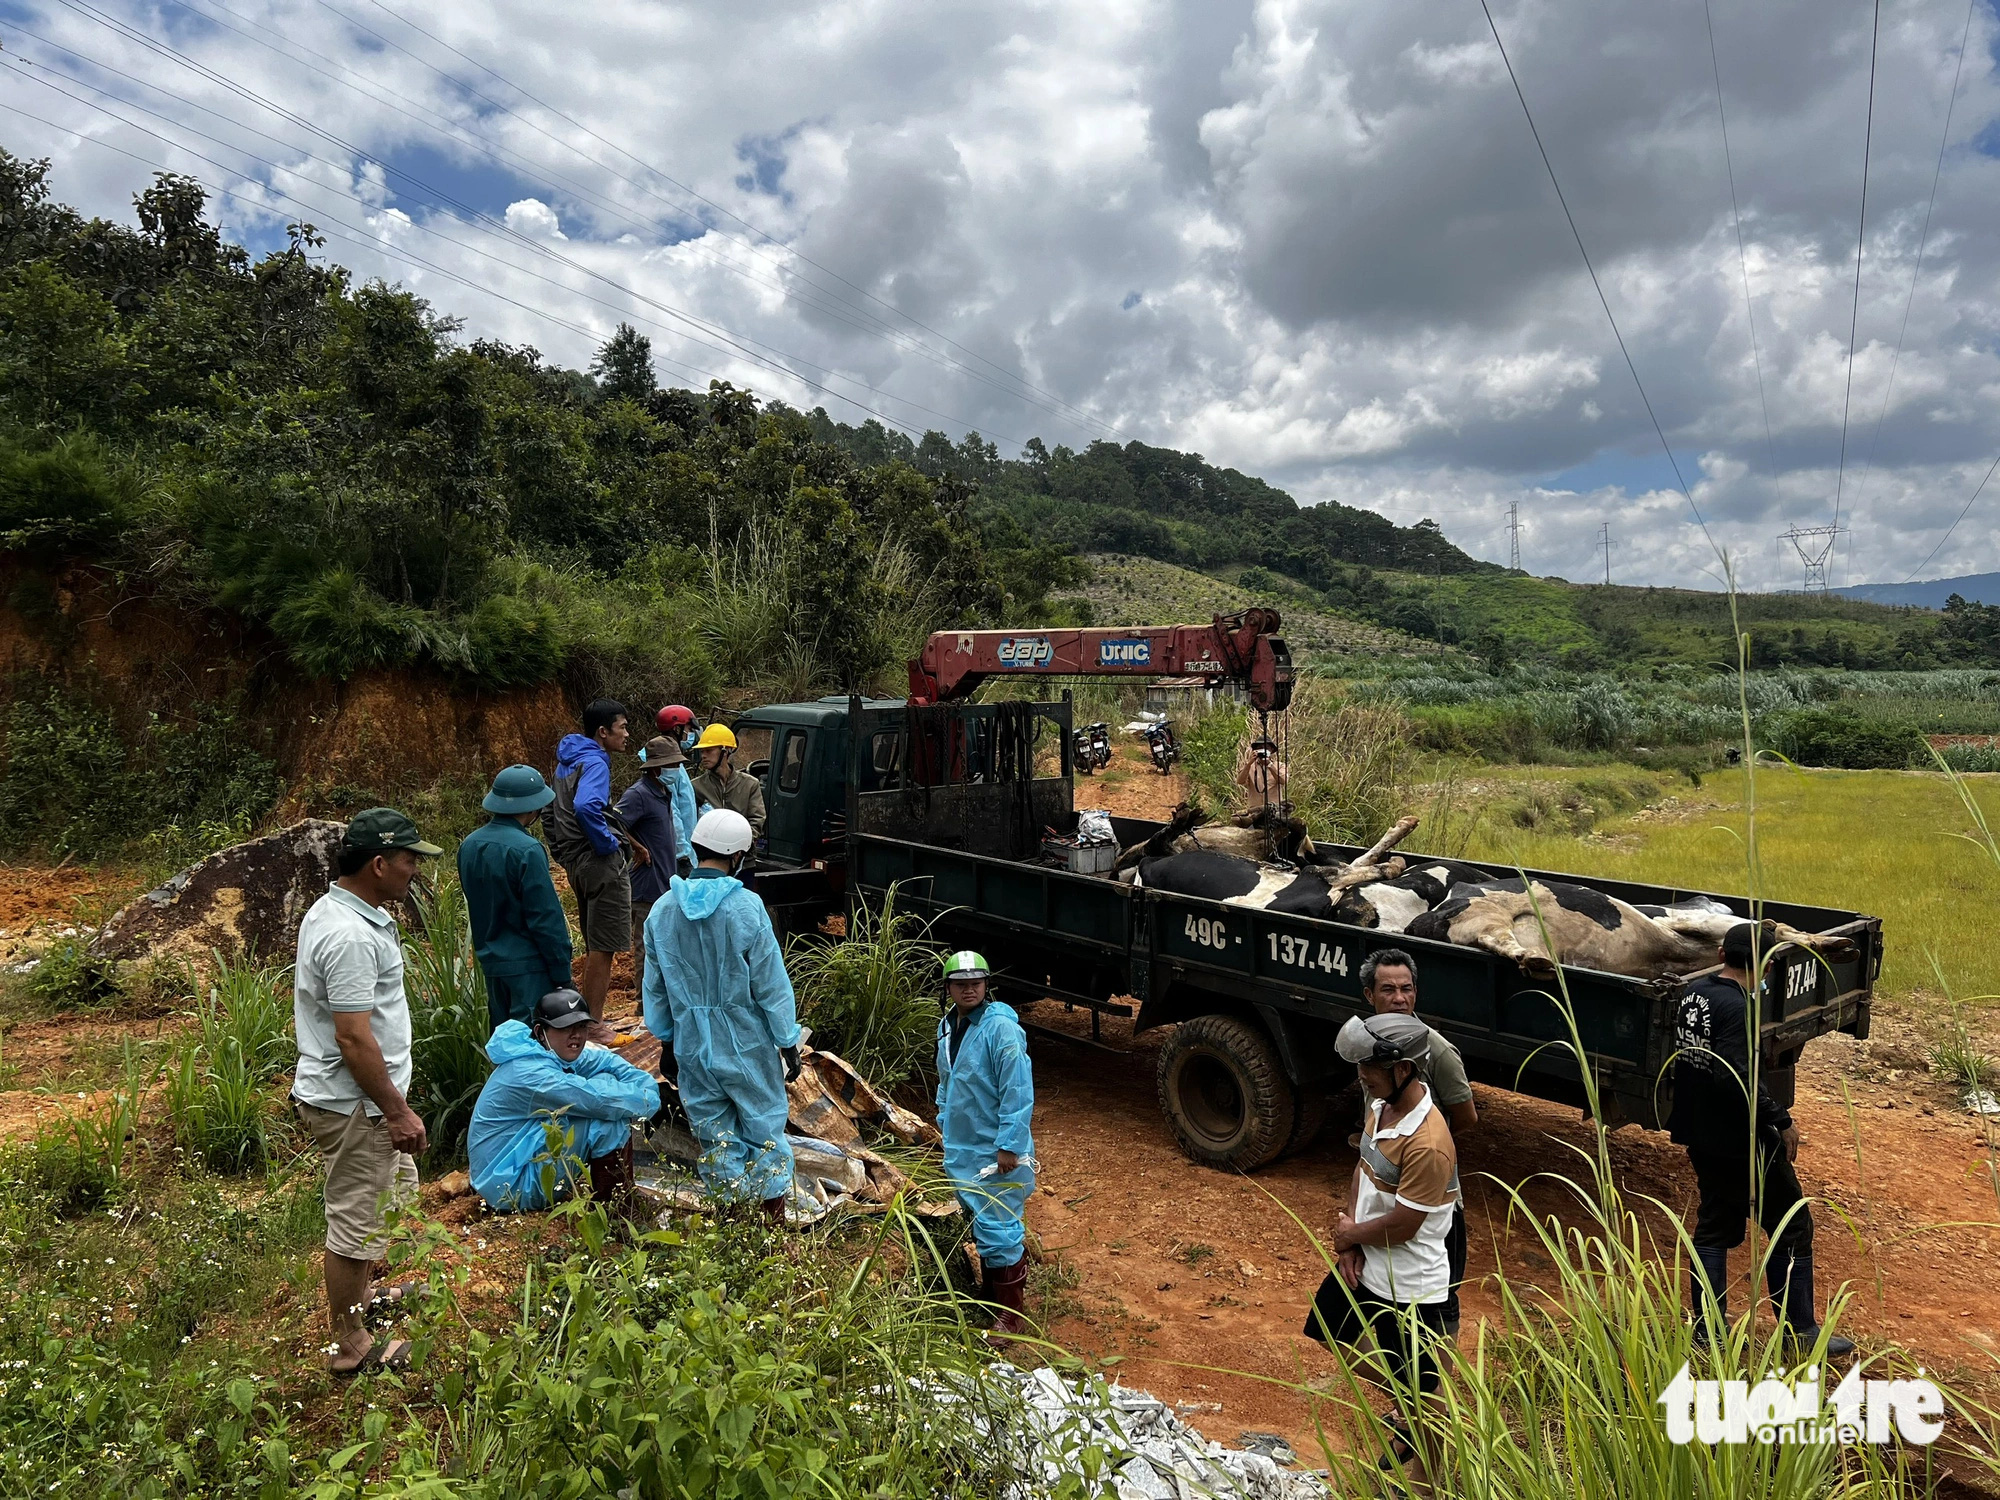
[(986, 1100), (547, 1074), (718, 998)]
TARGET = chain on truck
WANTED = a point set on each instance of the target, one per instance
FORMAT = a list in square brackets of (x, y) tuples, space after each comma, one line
[(948, 801)]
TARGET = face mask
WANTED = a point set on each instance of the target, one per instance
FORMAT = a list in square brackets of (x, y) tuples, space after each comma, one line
[(688, 739)]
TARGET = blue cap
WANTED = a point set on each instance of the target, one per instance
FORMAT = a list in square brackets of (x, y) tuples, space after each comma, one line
[(518, 789)]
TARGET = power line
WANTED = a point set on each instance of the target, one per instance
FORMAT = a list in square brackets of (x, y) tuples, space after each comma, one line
[(1742, 256), (1963, 512), (382, 244), (1860, 236), (699, 197), (355, 236), (740, 344), (838, 312), (1923, 241), (1603, 302)]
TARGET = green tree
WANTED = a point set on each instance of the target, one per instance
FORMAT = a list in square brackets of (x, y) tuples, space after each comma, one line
[(624, 366)]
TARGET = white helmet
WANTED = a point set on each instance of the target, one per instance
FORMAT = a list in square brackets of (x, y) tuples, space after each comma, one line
[(721, 831)]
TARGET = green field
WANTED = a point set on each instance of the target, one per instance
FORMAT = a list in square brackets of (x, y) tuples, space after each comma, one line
[(1880, 842)]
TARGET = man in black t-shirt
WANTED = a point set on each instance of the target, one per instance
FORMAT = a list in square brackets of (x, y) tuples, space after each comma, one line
[(1713, 1119)]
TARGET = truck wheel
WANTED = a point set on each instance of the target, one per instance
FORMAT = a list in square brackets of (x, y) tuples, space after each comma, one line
[(1309, 1116), (1224, 1093)]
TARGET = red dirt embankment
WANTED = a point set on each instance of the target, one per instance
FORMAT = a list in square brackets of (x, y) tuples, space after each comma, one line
[(376, 735)]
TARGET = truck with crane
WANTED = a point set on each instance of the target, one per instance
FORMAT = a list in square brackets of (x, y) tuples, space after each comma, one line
[(946, 802)]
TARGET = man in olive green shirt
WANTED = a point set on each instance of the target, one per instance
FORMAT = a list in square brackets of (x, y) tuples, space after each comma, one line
[(1389, 984)]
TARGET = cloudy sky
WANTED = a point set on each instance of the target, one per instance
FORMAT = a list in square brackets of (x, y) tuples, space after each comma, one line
[(1310, 239)]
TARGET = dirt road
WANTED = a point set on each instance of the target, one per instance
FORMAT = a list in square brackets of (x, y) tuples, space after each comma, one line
[(1189, 1273)]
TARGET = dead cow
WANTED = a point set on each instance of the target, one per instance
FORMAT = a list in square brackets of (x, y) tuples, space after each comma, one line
[(1391, 905), (1591, 930), (1229, 878)]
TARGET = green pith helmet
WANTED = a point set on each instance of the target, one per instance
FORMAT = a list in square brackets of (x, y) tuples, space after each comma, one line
[(966, 964)]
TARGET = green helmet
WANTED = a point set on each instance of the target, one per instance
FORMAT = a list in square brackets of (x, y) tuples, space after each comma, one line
[(966, 964)]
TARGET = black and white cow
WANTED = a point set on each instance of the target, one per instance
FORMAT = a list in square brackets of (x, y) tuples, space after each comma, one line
[(1588, 929), (1391, 905), (1215, 876)]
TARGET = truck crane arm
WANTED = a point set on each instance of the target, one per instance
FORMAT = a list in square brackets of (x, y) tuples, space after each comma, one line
[(1243, 648)]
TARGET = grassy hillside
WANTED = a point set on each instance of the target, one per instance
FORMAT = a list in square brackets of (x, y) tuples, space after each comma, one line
[(1126, 590), (1586, 625)]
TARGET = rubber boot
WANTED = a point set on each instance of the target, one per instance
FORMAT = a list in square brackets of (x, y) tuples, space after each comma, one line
[(1709, 1276), (1791, 1290), (1007, 1288), (774, 1209)]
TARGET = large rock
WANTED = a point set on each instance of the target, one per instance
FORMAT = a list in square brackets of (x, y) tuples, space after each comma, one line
[(248, 898)]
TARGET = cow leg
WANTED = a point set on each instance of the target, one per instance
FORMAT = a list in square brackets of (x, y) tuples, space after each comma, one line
[(1826, 947)]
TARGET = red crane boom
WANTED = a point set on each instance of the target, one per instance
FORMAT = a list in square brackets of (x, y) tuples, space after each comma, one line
[(1243, 648)]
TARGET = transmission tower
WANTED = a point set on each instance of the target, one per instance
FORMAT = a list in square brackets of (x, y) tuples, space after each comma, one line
[(1815, 545), (1604, 541), (1514, 536)]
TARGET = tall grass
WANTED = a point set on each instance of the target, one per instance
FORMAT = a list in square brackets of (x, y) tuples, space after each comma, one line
[(873, 996), (218, 1081), (1352, 766), (448, 1017), (763, 623)]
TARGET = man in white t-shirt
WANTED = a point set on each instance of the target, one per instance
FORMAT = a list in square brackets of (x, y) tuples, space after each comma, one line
[(1393, 1273), (353, 1075)]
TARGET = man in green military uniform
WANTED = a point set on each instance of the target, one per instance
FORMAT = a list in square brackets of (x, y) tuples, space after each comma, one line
[(519, 933)]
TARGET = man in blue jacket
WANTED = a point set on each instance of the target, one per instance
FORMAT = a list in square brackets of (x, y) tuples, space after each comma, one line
[(653, 814), (986, 1100), (718, 998), (519, 933), (548, 1075), (590, 849)]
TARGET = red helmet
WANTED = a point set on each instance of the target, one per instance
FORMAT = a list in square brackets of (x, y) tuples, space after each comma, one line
[(675, 720)]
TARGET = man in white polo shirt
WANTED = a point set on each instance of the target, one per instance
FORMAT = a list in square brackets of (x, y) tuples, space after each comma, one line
[(353, 1023)]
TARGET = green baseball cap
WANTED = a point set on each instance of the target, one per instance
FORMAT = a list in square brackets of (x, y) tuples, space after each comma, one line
[(966, 964), (381, 830)]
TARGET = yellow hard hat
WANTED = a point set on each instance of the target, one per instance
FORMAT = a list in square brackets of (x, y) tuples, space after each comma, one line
[(713, 736)]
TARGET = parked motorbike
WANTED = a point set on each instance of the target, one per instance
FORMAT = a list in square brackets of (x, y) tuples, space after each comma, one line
[(1093, 748), (1163, 747)]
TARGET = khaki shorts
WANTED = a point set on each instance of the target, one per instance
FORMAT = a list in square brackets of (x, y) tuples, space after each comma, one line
[(365, 1176), (602, 885)]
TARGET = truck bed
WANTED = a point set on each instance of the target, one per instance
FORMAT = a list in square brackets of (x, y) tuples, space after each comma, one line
[(1090, 939)]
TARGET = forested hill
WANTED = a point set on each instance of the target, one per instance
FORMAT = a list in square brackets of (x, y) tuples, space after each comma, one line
[(1161, 503)]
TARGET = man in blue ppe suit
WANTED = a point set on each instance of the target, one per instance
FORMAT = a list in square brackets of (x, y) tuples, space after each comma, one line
[(519, 933), (718, 998), (547, 1074), (986, 1098)]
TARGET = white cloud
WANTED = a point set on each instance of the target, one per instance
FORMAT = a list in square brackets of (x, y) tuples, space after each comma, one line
[(1311, 239), (537, 220)]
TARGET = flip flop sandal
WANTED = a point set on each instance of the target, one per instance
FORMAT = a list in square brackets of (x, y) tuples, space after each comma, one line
[(384, 1354), (389, 1298), (1400, 1452)]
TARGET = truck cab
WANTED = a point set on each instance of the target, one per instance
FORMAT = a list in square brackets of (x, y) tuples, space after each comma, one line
[(801, 752)]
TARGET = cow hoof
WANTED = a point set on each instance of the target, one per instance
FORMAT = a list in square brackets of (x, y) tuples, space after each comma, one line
[(1537, 967)]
